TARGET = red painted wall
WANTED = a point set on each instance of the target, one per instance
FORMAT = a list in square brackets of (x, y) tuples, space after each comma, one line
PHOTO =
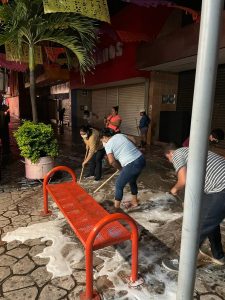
[(120, 68), (135, 19)]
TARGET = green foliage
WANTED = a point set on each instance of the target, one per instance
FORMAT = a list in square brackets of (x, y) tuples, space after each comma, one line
[(36, 141), (24, 22)]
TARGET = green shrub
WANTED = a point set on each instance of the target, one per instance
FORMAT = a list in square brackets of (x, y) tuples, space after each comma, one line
[(36, 141)]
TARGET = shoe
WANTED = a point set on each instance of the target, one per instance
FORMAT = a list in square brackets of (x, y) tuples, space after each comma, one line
[(97, 179), (171, 265), (211, 259)]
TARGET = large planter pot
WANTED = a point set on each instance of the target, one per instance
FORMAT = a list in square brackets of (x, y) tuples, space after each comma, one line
[(39, 169)]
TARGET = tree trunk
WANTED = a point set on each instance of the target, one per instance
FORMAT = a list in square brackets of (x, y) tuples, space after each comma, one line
[(32, 84)]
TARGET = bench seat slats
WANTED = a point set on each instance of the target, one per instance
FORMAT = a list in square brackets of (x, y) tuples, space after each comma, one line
[(83, 213)]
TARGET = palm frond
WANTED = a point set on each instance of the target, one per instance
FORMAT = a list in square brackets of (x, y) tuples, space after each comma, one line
[(24, 22), (84, 56)]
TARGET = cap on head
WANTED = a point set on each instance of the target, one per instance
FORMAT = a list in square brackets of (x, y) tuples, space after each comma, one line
[(142, 110)]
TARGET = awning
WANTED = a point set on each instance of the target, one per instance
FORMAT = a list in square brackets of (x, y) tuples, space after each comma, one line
[(12, 65), (155, 3)]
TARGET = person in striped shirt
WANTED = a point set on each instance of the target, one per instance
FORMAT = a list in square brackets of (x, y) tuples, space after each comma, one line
[(213, 206)]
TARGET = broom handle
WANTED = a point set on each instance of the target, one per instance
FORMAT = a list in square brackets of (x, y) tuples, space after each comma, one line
[(138, 130), (82, 171), (106, 181)]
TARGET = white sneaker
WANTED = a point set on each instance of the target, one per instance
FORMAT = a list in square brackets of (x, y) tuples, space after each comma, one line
[(171, 265)]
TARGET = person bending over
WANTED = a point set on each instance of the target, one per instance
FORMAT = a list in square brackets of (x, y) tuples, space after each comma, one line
[(95, 150), (123, 155), (215, 137), (213, 202)]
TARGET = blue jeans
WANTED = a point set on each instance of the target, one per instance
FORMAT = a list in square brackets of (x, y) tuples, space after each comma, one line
[(129, 174), (213, 213)]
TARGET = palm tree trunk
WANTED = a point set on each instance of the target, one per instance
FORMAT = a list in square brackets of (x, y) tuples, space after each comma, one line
[(32, 84)]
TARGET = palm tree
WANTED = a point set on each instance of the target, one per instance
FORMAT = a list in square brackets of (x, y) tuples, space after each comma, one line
[(23, 22)]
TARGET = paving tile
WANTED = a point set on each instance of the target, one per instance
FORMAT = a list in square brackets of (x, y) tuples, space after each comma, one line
[(10, 213), (4, 273), (23, 266), (80, 276), (7, 261), (39, 261), (4, 221), (36, 250), (210, 297), (51, 292), (2, 250), (29, 293), (13, 244), (41, 276), (66, 282), (17, 282), (18, 252), (74, 294)]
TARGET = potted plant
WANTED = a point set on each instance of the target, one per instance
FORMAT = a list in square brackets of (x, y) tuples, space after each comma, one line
[(38, 146)]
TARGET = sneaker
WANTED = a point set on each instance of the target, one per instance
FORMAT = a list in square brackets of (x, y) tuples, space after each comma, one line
[(171, 265), (211, 259)]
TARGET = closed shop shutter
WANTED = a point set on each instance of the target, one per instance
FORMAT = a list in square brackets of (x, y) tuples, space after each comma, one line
[(185, 91), (218, 119), (131, 100), (99, 107), (185, 97), (111, 99)]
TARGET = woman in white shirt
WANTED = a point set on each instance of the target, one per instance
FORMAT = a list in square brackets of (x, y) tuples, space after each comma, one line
[(125, 156)]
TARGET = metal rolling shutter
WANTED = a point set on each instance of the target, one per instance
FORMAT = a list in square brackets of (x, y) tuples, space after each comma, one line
[(185, 97), (218, 119), (185, 91), (111, 96), (131, 100), (99, 107)]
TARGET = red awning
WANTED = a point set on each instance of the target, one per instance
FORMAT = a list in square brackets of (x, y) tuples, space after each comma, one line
[(12, 65)]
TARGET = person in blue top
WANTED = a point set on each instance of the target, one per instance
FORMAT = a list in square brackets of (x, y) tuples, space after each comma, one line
[(123, 155), (143, 126)]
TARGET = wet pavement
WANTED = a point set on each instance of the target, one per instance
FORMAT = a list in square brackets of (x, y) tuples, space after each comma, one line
[(40, 257)]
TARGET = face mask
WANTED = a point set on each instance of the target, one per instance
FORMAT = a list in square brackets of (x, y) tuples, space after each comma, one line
[(104, 144), (84, 136)]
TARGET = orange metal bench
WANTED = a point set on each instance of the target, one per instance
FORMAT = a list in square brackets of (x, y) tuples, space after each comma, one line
[(92, 224)]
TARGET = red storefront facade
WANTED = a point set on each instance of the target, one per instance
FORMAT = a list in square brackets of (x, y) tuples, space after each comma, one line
[(116, 79)]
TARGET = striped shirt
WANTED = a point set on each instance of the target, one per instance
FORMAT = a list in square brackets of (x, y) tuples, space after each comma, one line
[(215, 169)]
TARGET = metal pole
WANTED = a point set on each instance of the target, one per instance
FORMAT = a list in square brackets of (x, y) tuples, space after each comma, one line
[(200, 125)]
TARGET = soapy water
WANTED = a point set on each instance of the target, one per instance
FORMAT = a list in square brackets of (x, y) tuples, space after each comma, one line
[(113, 267), (65, 253), (60, 259)]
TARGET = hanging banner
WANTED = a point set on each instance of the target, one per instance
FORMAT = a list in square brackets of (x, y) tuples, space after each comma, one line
[(53, 53), (96, 9), (11, 51)]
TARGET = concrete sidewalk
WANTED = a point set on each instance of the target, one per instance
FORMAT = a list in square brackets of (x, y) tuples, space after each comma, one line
[(42, 259)]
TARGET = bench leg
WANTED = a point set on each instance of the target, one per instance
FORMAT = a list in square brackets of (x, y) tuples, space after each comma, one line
[(89, 294), (89, 273), (134, 262), (45, 212)]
